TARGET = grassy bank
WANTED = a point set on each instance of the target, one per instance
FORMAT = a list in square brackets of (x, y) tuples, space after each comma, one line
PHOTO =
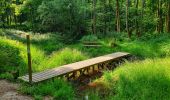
[(58, 89), (148, 79), (132, 80)]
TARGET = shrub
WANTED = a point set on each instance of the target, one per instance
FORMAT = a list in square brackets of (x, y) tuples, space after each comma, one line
[(89, 38), (2, 33), (9, 55)]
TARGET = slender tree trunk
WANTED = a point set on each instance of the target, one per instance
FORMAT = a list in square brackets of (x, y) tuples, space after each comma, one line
[(15, 19), (142, 16), (160, 17), (3, 21), (8, 20), (136, 20), (94, 17), (127, 18), (117, 16), (109, 16), (105, 18), (168, 18)]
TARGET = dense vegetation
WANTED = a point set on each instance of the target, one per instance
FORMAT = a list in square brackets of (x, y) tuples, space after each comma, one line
[(58, 29), (140, 80), (78, 17), (57, 53)]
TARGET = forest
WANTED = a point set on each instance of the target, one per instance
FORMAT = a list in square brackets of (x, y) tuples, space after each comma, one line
[(64, 32), (79, 17)]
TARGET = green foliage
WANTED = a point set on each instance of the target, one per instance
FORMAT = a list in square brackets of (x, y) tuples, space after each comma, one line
[(48, 42), (40, 47), (62, 57), (37, 97), (14, 56), (2, 33), (9, 55), (90, 38), (60, 15), (80, 17), (149, 79), (136, 80), (93, 95), (157, 46), (58, 89)]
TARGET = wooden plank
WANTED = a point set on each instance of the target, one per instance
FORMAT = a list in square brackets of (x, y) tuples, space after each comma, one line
[(66, 69), (92, 45), (86, 42), (49, 72)]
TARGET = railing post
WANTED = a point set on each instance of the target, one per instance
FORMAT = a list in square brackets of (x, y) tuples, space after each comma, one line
[(29, 59)]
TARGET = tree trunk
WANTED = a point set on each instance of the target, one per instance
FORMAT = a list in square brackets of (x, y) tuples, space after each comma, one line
[(168, 18), (105, 18), (7, 16), (109, 29), (3, 21), (117, 16), (136, 20), (94, 17), (160, 17), (142, 16), (127, 18)]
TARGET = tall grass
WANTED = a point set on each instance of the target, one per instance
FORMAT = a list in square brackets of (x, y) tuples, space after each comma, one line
[(9, 58), (62, 57), (58, 89), (149, 79), (43, 51), (147, 49), (14, 55), (40, 61)]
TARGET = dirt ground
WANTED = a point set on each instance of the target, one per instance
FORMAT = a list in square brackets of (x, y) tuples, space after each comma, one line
[(8, 91)]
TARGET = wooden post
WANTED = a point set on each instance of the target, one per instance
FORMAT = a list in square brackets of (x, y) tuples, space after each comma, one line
[(93, 68), (29, 59)]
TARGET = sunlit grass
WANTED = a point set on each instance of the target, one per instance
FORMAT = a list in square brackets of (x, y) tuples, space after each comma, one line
[(62, 57), (149, 79), (128, 81), (58, 89)]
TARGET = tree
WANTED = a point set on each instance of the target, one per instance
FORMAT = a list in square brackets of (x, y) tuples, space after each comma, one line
[(60, 15), (137, 18), (168, 18), (117, 16), (94, 16), (159, 16), (127, 18)]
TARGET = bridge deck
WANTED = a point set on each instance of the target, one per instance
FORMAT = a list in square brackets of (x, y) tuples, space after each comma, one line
[(66, 69)]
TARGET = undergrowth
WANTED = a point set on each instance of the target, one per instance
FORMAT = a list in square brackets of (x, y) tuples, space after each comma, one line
[(129, 81), (149, 79), (58, 89)]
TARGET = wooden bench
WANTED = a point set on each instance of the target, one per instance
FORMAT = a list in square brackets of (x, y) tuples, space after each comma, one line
[(92, 44), (73, 68)]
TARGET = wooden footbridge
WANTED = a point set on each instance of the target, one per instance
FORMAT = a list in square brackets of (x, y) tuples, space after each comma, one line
[(72, 70)]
